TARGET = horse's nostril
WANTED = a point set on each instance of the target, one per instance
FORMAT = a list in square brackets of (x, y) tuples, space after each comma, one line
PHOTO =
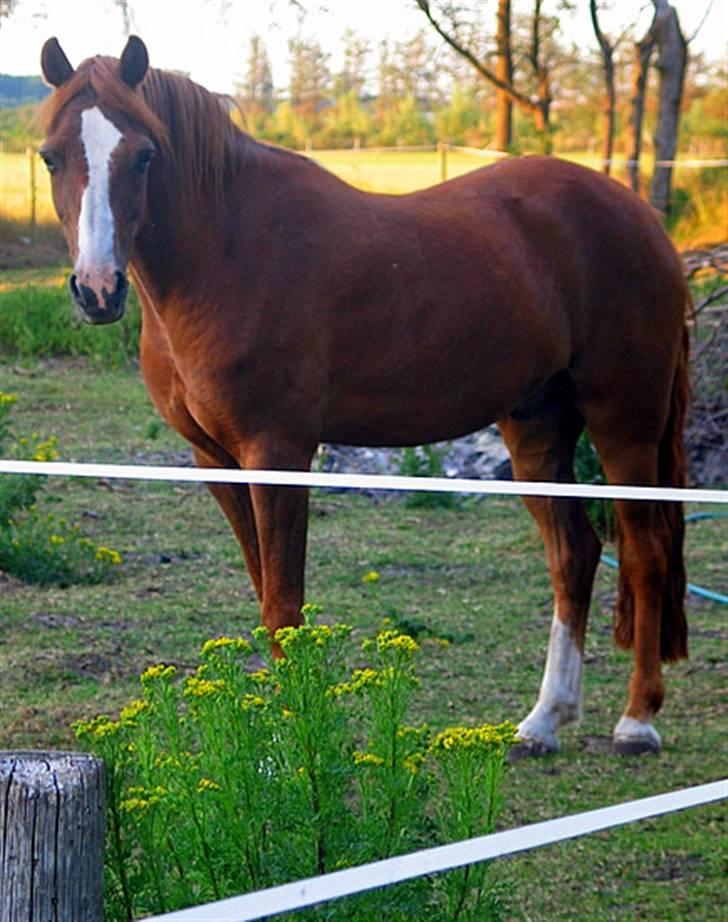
[(73, 285), (121, 283)]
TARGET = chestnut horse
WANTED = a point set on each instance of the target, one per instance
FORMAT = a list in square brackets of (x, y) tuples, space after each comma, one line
[(283, 308)]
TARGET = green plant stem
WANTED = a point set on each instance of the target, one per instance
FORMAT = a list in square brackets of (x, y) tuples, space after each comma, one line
[(116, 840)]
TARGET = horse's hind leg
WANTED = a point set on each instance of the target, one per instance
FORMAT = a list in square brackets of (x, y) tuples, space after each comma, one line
[(543, 449), (650, 541)]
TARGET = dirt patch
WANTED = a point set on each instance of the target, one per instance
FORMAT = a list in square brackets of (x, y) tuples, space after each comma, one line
[(10, 586), (88, 665), (676, 867), (596, 745), (50, 619)]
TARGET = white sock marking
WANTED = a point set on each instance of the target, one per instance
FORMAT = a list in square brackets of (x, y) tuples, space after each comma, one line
[(100, 138), (559, 700)]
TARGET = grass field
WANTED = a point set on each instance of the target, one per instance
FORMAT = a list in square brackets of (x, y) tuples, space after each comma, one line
[(475, 572), (701, 197)]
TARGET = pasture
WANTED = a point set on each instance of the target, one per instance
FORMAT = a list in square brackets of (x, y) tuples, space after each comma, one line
[(470, 580), (701, 201)]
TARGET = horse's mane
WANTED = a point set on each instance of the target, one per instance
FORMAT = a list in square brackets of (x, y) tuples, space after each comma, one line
[(190, 125)]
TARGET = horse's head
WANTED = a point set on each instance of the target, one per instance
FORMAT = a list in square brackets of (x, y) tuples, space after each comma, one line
[(98, 150)]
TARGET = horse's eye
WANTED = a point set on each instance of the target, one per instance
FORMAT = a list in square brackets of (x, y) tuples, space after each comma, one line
[(50, 160), (143, 159)]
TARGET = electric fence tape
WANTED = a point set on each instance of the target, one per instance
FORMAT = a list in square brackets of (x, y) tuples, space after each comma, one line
[(313, 890), (360, 481)]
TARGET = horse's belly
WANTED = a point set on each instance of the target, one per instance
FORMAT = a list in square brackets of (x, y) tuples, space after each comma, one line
[(397, 419)]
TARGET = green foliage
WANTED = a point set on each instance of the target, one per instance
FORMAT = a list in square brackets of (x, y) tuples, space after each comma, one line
[(40, 320), (588, 469), (698, 205), (39, 547), (348, 118), (424, 461), (404, 122), (17, 127), (462, 120), (228, 780)]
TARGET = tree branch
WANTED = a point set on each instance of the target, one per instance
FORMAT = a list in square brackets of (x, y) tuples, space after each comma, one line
[(519, 98), (701, 23)]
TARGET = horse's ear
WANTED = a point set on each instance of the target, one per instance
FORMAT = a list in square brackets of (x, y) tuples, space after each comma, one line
[(55, 65), (134, 61)]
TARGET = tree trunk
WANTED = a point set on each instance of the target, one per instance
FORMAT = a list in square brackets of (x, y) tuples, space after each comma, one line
[(52, 827), (504, 71), (671, 64), (640, 71), (542, 110), (610, 95)]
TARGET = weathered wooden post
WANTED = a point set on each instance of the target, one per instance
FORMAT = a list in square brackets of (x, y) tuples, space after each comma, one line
[(30, 152), (442, 159), (52, 837)]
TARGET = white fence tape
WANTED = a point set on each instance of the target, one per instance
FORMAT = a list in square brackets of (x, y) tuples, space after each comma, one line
[(360, 481), (312, 890)]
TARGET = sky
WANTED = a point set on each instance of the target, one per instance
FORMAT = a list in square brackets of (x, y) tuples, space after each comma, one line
[(191, 35)]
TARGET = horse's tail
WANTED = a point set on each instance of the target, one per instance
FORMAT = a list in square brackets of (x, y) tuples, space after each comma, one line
[(669, 529)]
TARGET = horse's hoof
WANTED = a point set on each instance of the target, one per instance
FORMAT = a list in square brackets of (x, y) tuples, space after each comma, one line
[(635, 747), (635, 738), (531, 749)]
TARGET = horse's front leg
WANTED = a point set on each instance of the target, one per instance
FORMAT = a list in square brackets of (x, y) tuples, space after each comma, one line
[(281, 519), (235, 502)]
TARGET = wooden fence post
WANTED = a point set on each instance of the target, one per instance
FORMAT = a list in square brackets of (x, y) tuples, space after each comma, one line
[(52, 826), (442, 159), (33, 192)]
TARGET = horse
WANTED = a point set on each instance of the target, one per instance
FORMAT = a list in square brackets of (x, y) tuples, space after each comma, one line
[(283, 308)]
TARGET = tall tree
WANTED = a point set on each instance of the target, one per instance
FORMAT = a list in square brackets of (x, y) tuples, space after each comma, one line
[(504, 70), (310, 76), (353, 75), (413, 61), (607, 48), (671, 64), (257, 87), (641, 54)]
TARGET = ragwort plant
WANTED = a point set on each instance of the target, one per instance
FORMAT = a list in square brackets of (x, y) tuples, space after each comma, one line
[(37, 546), (235, 778)]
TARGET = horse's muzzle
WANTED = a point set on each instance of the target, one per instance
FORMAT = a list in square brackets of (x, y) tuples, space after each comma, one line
[(100, 298)]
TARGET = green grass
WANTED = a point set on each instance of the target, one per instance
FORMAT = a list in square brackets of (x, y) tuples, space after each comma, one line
[(38, 319), (475, 572)]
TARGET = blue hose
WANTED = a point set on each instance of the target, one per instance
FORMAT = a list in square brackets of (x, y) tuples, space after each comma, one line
[(691, 587), (699, 516)]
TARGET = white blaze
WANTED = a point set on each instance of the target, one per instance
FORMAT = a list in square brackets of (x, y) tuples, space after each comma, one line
[(559, 700), (100, 138)]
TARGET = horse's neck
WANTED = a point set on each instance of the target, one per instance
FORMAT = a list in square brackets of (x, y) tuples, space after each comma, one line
[(185, 235)]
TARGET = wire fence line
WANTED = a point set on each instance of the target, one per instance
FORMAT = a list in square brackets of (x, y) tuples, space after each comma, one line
[(30, 188), (492, 154), (313, 890)]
